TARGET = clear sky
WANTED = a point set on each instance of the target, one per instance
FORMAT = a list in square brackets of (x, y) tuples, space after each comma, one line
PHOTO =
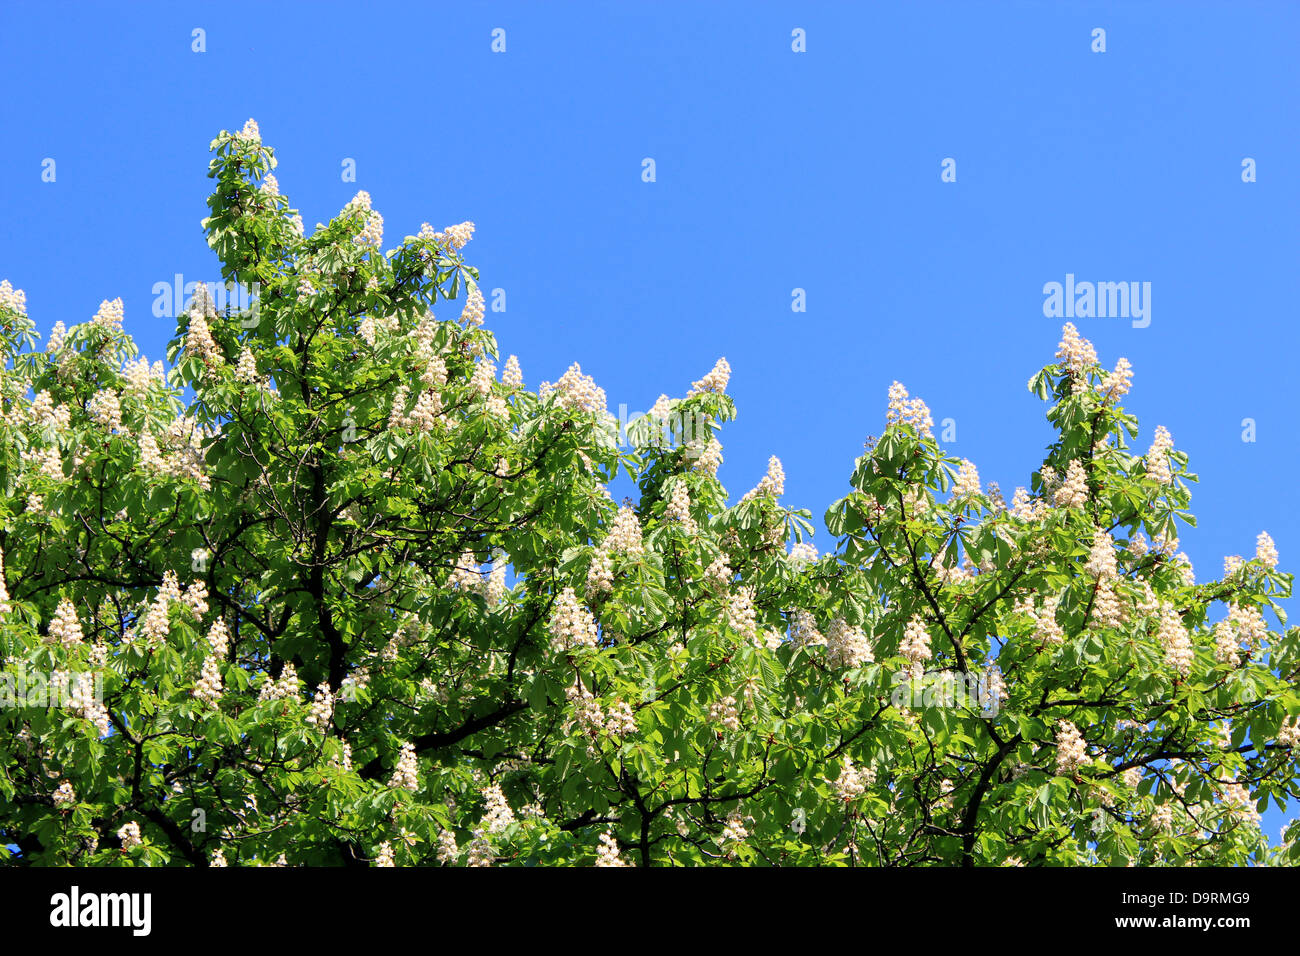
[(774, 170)]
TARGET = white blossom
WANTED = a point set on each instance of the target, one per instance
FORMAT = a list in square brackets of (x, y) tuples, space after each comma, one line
[(1071, 749)]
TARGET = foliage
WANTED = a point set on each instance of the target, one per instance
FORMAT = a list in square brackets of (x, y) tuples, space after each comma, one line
[(441, 641)]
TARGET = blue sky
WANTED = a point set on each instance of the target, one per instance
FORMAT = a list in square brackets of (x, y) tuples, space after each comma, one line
[(775, 170)]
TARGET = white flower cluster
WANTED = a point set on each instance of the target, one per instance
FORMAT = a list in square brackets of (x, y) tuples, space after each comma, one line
[(65, 628), (724, 714), (1157, 460), (202, 301), (129, 834), (1176, 641), (994, 690), (742, 616), (283, 689), (109, 315), (846, 645), (905, 411), (595, 721), (47, 462), (250, 132), (199, 341), (494, 591), (342, 758), (916, 502), (576, 391), (372, 229), (600, 574), (196, 598), (181, 453), (803, 629), (997, 504), (354, 683), (1139, 546), (448, 851), (385, 855), (607, 853), (625, 534), (15, 300), (480, 852), (715, 381), (803, 553), (105, 409), (209, 687), (1115, 385), (944, 799), (423, 334), (1288, 735), (497, 814), (141, 376), (771, 484), (366, 329), (1071, 749), (1073, 492), (512, 375), (707, 459), (734, 831), (852, 781), (453, 237), (428, 406), (1107, 609), (968, 481), (246, 368), (1227, 646), (47, 415), (219, 637), (718, 574), (661, 411), (915, 645), (571, 623), (484, 377), (1101, 557), (322, 707), (471, 316), (588, 715), (1026, 508), (1239, 635), (1265, 550), (1250, 625), (83, 703), (157, 621), (678, 510), (5, 606), (620, 721), (434, 376), (1075, 351), (406, 774), (952, 575), (64, 795)]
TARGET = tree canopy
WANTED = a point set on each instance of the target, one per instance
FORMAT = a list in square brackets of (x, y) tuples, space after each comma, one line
[(329, 589)]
